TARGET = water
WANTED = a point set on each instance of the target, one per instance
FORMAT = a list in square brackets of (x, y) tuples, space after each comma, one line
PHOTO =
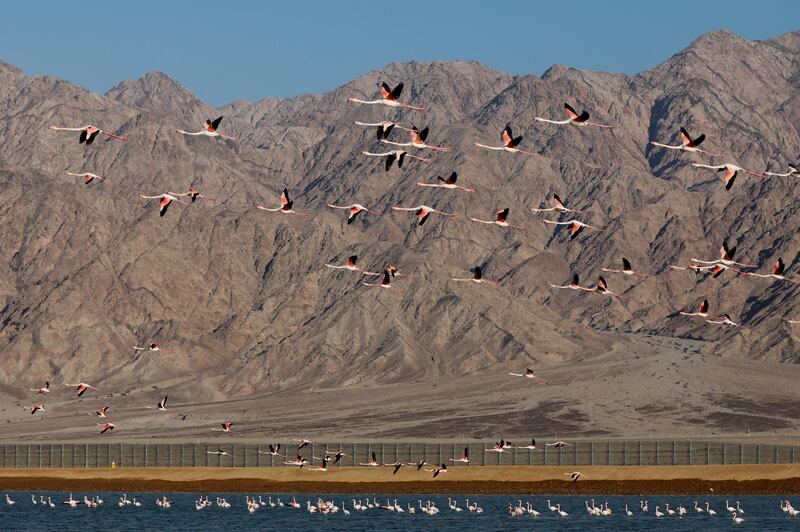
[(761, 513)]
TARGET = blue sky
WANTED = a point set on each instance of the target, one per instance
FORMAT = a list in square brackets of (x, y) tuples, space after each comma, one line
[(224, 51)]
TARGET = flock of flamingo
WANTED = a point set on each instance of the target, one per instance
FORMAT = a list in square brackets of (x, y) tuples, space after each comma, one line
[(399, 153)]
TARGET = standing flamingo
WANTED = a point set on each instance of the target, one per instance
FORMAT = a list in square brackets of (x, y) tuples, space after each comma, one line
[(89, 133), (510, 143), (500, 220), (210, 130), (687, 144), (573, 118), (448, 183), (389, 97)]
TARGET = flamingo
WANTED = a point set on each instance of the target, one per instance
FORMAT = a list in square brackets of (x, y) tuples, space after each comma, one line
[(273, 450), (351, 265), (476, 278), (418, 139), (731, 171), (500, 220), (161, 406), (88, 177), (105, 427), (573, 285), (226, 427), (395, 155), (385, 283), (702, 310), (323, 467), (193, 194), (165, 200), (373, 460), (448, 183), (602, 288), (355, 209), (627, 269), (388, 98), (726, 258), (151, 346), (777, 272), (210, 130), (396, 467), (286, 205), (337, 455), (793, 172), (561, 512), (687, 144), (38, 407), (101, 412), (628, 512), (558, 444), (218, 452), (299, 461), (464, 459), (422, 212), (89, 133), (724, 320), (710, 511), (573, 118), (499, 447), (43, 389), (736, 519), (529, 374), (384, 127), (575, 227), (81, 387), (419, 464), (510, 143), (574, 476), (439, 470), (302, 443), (9, 501), (658, 512), (698, 509), (669, 512), (531, 447), (557, 206)]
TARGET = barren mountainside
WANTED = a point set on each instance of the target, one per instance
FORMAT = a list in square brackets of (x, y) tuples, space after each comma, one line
[(242, 300)]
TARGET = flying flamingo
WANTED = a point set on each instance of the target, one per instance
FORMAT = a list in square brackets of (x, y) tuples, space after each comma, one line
[(476, 278), (575, 226), (88, 177), (602, 288), (273, 451), (510, 143), (531, 447), (627, 269), (724, 320), (499, 447), (385, 283), (81, 387), (337, 455), (731, 171), (448, 183), (384, 128), (43, 389), (106, 427), (687, 144), (557, 206), (162, 405), (395, 155), (302, 443), (351, 265), (373, 461), (209, 131), (558, 444), (574, 476), (702, 310), (101, 412), (323, 467), (218, 452), (165, 200), (388, 98), (464, 458), (226, 427), (286, 205), (529, 374), (573, 118), (439, 470), (777, 272), (299, 461), (38, 407), (726, 258), (502, 215), (88, 133), (151, 346), (193, 194), (418, 139), (573, 285), (422, 212), (355, 209), (793, 171)]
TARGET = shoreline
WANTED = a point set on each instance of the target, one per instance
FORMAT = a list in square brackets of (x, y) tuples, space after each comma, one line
[(529, 480)]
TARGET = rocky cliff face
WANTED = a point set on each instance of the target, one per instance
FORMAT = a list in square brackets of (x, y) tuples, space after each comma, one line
[(242, 299)]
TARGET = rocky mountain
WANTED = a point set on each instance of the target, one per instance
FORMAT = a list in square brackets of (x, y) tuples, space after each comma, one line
[(241, 298)]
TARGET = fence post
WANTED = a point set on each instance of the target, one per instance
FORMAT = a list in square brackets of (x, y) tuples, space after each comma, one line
[(640, 452), (673, 452), (708, 453), (724, 453), (759, 454), (591, 452), (657, 451)]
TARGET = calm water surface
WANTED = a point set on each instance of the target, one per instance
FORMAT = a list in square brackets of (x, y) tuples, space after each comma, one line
[(761, 513)]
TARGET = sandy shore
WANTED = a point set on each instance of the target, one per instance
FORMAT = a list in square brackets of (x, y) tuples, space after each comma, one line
[(732, 479)]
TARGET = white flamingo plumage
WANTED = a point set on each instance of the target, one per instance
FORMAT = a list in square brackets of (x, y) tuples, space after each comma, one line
[(574, 119), (510, 143), (193, 195), (350, 265), (210, 130), (448, 183), (557, 206), (418, 139), (395, 155), (627, 269), (89, 133), (529, 374), (731, 171), (575, 228), (355, 209), (687, 144), (389, 97), (286, 205), (777, 272), (422, 212), (476, 278), (500, 220), (383, 128), (385, 283), (164, 201)]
